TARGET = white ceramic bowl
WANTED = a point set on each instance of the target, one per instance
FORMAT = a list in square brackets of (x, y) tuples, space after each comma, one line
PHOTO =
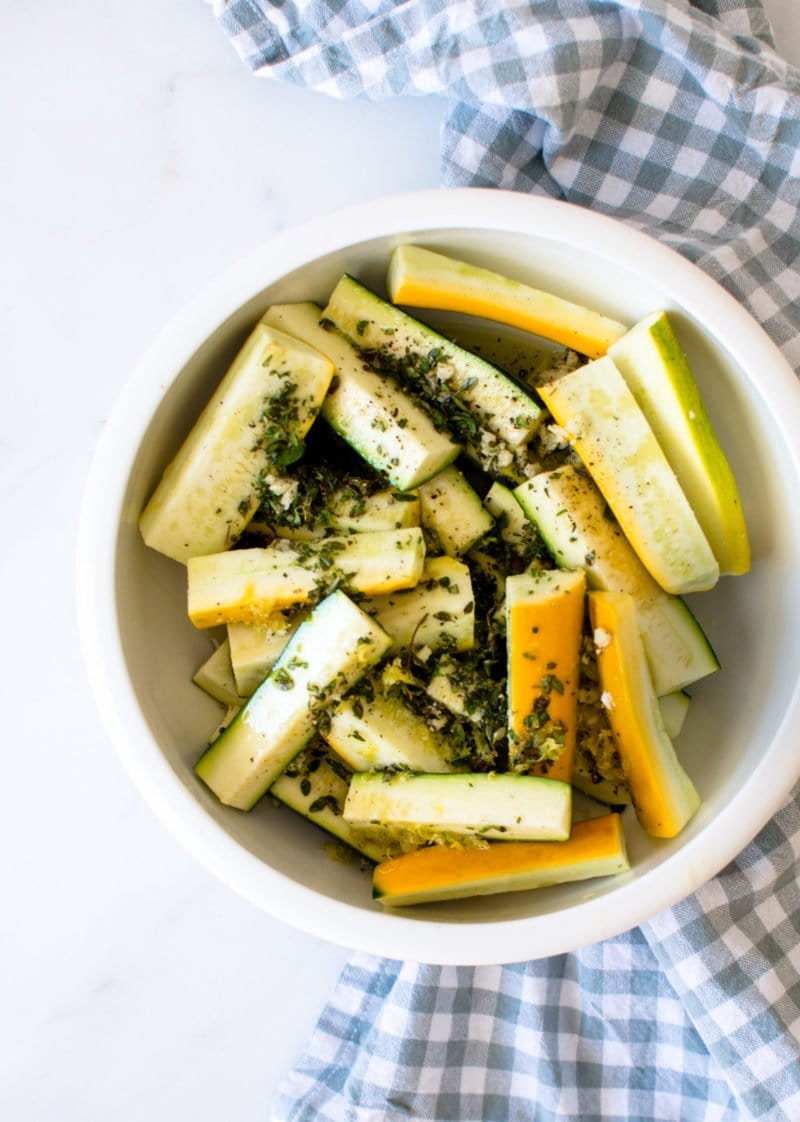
[(739, 744)]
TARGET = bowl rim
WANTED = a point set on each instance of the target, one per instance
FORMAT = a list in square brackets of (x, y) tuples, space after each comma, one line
[(396, 933)]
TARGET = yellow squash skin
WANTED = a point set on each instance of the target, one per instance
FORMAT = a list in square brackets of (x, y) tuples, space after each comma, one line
[(584, 538), (544, 619), (595, 848), (423, 279), (657, 372), (611, 435), (663, 795), (251, 585)]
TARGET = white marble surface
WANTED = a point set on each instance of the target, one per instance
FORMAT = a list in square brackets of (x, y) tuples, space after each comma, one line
[(137, 159)]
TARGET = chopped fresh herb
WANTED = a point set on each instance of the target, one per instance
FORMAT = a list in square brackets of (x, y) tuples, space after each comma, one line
[(414, 372), (283, 679), (315, 492), (338, 769), (281, 416), (324, 801)]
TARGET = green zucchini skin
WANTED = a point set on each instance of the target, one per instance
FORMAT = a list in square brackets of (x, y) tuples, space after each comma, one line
[(452, 512), (371, 412), (488, 804), (572, 519), (334, 647), (498, 403), (315, 786)]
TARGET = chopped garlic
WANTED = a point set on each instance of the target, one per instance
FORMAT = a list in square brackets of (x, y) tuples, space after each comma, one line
[(560, 434), (285, 488), (601, 639), (395, 673)]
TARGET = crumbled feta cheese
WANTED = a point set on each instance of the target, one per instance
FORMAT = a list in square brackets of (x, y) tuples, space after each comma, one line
[(530, 468), (551, 438), (606, 700), (601, 639), (492, 451)]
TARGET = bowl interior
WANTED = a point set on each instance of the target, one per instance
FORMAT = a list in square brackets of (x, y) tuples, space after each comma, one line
[(751, 621)]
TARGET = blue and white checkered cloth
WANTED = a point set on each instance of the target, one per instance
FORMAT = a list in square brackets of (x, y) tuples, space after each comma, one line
[(679, 117)]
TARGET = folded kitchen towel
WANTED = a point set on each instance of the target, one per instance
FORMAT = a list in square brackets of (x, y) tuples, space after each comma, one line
[(678, 117)]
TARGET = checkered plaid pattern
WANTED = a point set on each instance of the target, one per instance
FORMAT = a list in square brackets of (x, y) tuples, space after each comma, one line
[(679, 117)]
